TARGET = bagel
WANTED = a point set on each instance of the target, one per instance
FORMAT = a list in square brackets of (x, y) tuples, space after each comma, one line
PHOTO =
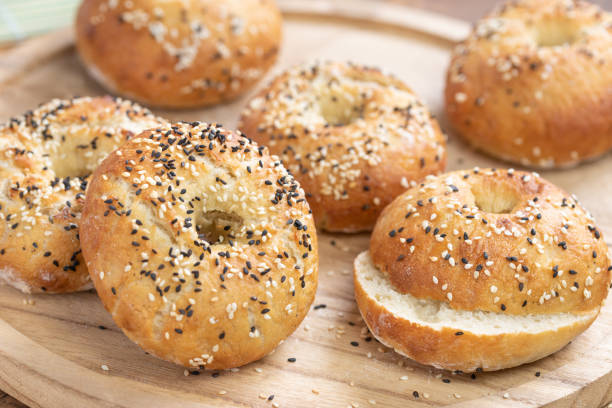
[(482, 269), (532, 83), (47, 156), (200, 245), (178, 54), (353, 136)]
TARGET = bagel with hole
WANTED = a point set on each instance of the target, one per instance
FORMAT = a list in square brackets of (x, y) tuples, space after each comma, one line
[(200, 245), (353, 136), (178, 54), (532, 83), (47, 157), (482, 270)]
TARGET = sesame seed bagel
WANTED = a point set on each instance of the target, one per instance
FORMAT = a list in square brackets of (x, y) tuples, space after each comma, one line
[(353, 136), (200, 245), (47, 157), (504, 258), (532, 84), (178, 54)]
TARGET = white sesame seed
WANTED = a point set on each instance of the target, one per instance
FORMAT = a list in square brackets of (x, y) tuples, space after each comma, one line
[(460, 97)]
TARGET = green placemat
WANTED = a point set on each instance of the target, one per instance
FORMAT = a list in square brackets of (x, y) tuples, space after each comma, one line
[(20, 19)]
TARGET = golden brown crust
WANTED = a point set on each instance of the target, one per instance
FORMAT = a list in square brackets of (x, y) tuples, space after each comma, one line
[(47, 156), (354, 137), (200, 245), (493, 240), (178, 54), (515, 91), (458, 349)]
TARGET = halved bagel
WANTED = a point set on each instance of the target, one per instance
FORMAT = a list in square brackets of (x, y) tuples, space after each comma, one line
[(482, 269), (430, 332)]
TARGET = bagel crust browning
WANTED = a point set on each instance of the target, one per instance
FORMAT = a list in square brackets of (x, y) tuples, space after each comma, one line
[(532, 84), (178, 53), (456, 348), (47, 156), (200, 245), (354, 137), (493, 240)]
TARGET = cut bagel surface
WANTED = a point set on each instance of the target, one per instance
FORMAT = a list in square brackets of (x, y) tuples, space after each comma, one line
[(431, 332)]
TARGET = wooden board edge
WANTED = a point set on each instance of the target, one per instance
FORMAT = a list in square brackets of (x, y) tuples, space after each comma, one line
[(42, 48), (28, 372), (22, 57), (39, 49), (433, 24), (569, 394), (26, 366)]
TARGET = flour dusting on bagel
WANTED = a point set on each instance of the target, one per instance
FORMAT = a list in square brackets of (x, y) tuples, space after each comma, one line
[(531, 84), (178, 53), (201, 245)]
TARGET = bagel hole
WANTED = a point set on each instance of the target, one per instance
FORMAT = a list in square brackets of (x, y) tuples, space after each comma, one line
[(70, 168), (338, 113), (495, 197), (339, 106), (217, 227), (556, 33)]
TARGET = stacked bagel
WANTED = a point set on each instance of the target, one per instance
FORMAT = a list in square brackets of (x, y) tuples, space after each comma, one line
[(199, 243), (219, 260)]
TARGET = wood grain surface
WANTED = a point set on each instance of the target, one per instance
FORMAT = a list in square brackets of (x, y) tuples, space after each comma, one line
[(468, 10), (329, 370)]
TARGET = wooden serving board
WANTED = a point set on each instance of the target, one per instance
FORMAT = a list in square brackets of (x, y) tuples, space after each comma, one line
[(53, 348)]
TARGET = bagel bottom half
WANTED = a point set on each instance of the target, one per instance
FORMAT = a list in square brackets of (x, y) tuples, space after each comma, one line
[(430, 332)]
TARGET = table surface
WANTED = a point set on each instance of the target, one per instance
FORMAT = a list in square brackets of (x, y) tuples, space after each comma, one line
[(469, 10)]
